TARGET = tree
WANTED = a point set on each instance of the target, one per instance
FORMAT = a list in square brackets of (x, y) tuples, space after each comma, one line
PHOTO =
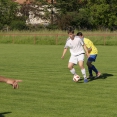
[(8, 12), (71, 12), (103, 13)]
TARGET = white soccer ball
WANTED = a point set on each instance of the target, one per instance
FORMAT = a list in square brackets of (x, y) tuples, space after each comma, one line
[(76, 78)]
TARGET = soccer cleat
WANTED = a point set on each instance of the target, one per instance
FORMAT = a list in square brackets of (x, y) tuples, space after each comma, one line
[(98, 75), (85, 80)]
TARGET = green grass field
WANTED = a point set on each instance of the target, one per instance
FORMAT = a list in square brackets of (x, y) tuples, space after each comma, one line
[(47, 89)]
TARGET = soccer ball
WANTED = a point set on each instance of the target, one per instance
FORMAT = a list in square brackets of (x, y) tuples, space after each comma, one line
[(76, 78)]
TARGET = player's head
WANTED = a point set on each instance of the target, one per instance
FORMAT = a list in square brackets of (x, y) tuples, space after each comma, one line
[(71, 33), (80, 34)]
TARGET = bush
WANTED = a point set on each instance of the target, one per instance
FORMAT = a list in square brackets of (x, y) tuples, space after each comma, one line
[(1, 26), (18, 25)]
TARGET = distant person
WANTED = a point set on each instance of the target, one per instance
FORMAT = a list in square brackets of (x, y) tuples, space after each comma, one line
[(76, 46), (93, 55), (12, 82)]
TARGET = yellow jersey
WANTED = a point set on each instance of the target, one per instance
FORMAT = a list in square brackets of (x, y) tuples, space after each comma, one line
[(89, 44)]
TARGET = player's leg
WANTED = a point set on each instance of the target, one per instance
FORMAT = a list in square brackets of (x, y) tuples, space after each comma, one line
[(89, 64), (72, 62), (81, 65), (71, 68), (91, 67), (83, 71)]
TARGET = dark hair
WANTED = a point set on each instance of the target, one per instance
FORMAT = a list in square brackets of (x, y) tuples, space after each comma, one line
[(70, 30), (79, 34)]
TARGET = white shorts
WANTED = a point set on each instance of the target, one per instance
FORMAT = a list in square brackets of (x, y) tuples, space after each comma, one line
[(76, 59)]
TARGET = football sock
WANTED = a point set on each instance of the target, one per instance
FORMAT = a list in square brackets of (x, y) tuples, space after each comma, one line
[(90, 71), (73, 71), (94, 69), (83, 73)]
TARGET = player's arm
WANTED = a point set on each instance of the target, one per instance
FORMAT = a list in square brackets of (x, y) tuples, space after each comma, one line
[(89, 50), (12, 82), (86, 50), (64, 52)]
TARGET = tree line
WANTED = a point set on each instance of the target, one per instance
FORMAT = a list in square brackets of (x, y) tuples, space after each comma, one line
[(81, 14)]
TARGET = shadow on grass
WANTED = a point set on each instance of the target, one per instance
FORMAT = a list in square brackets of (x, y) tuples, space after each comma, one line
[(3, 114), (103, 76)]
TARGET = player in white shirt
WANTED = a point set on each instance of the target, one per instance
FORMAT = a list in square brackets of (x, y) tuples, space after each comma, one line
[(77, 50)]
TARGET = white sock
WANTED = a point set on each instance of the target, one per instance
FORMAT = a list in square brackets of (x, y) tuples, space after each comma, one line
[(73, 71), (83, 73)]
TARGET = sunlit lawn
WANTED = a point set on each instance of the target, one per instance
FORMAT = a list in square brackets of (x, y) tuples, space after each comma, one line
[(47, 89)]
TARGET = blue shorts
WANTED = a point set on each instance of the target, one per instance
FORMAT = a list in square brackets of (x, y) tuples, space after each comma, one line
[(92, 57)]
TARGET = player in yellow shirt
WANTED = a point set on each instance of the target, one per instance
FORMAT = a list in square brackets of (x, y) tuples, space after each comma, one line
[(93, 54)]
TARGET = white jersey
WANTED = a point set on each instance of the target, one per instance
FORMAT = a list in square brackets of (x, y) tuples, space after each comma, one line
[(76, 46)]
